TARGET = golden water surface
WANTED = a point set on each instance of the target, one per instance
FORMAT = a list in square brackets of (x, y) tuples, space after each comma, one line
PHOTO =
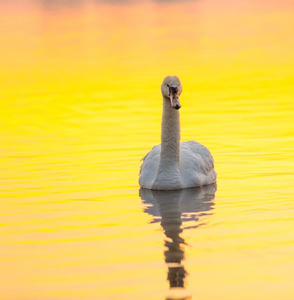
[(81, 105)]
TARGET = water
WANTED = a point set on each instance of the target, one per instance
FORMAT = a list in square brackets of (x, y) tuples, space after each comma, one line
[(81, 105)]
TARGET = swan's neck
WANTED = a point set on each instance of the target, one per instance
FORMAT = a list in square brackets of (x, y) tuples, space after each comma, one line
[(170, 134), (168, 169)]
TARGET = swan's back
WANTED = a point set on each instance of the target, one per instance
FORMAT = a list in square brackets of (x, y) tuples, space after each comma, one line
[(196, 166)]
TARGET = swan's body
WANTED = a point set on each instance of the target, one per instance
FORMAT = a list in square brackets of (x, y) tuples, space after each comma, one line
[(173, 165)]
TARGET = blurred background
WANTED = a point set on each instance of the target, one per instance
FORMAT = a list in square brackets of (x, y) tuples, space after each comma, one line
[(80, 105)]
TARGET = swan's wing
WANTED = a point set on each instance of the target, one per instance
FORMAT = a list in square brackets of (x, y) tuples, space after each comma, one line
[(196, 164), (150, 158), (201, 152), (149, 167)]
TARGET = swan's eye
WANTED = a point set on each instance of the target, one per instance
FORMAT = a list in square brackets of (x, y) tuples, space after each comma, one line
[(174, 90)]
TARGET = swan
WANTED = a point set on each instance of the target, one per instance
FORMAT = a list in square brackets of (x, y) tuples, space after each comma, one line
[(173, 165)]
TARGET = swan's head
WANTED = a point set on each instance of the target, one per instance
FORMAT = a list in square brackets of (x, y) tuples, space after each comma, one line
[(171, 88)]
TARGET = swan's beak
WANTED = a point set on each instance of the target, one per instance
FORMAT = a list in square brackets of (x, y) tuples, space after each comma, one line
[(174, 98)]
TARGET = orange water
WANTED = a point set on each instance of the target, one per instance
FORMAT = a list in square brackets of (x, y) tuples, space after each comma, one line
[(81, 105)]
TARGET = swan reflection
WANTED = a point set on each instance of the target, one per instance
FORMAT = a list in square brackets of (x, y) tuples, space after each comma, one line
[(178, 210)]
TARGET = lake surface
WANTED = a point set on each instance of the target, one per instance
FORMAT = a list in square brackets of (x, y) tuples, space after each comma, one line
[(81, 105)]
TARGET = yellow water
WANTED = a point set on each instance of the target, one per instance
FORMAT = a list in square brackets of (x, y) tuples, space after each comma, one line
[(81, 105)]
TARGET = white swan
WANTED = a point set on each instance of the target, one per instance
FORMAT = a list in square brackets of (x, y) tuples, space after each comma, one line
[(174, 165)]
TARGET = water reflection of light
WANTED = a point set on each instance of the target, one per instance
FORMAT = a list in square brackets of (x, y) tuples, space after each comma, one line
[(77, 2), (173, 209)]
